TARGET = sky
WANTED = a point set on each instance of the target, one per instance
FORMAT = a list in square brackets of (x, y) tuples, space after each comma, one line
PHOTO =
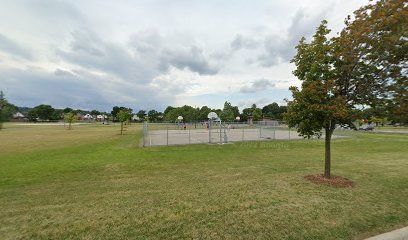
[(149, 54)]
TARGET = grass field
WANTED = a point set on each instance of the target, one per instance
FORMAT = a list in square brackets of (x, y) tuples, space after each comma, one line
[(92, 183)]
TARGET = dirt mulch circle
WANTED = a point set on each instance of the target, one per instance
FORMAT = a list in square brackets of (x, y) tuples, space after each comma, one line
[(334, 181)]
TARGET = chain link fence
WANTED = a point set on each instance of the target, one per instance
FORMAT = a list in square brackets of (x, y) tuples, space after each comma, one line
[(165, 134)]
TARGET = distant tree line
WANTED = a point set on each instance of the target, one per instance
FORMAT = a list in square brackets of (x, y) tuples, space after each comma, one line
[(229, 113), (46, 112), (378, 115)]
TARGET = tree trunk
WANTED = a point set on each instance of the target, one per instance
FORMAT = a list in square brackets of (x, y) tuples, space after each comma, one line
[(69, 126), (327, 149), (121, 128), (1, 125), (327, 156)]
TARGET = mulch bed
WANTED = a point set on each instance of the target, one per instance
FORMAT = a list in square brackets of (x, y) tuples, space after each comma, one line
[(334, 181)]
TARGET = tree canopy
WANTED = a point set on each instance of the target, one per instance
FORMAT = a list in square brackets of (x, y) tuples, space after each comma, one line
[(228, 113), (69, 118), (116, 110), (123, 115), (154, 115), (43, 112)]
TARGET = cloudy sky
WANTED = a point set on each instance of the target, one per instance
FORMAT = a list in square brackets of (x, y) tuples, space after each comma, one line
[(146, 54)]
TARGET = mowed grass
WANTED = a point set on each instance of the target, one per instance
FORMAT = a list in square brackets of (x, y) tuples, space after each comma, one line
[(92, 183)]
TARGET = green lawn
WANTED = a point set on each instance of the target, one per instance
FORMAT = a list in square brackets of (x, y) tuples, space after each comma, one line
[(92, 183)]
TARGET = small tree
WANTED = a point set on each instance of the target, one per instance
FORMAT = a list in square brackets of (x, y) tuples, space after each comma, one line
[(69, 118), (6, 110), (320, 103), (123, 116)]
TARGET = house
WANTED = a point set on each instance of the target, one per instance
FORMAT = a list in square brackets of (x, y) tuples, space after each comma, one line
[(87, 117), (101, 117), (18, 115)]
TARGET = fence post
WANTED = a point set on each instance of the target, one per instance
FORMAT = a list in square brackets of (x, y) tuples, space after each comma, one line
[(289, 133), (260, 130), (220, 133), (144, 134), (167, 135), (209, 131), (274, 132), (243, 133), (189, 136)]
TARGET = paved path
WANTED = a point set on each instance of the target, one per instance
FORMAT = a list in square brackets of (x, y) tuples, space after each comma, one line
[(399, 234)]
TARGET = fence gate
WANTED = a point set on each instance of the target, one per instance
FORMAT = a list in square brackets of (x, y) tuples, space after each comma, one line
[(217, 133)]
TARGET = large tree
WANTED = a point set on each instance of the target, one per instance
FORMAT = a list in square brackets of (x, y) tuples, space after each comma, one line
[(253, 112), (141, 114), (154, 115), (203, 113), (363, 66), (188, 113), (271, 110), (274, 111), (168, 109), (372, 54), (227, 113), (43, 112)]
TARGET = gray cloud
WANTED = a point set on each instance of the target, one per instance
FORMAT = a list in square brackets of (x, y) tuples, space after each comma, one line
[(241, 42), (9, 46), (257, 85), (88, 50), (192, 58), (281, 48), (151, 46), (84, 90), (146, 56)]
